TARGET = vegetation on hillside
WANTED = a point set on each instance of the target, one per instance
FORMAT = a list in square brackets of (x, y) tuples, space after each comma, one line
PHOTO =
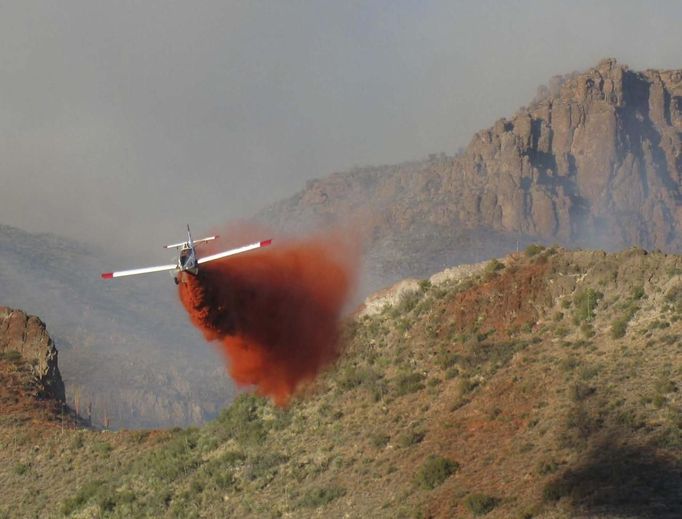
[(507, 394)]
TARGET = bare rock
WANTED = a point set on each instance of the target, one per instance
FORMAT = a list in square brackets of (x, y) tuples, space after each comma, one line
[(594, 160), (27, 335)]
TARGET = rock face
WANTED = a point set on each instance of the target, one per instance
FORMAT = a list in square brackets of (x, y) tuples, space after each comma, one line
[(597, 156), (27, 335), (594, 160)]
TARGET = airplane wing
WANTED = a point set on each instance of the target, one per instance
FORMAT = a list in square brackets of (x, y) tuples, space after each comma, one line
[(232, 252), (133, 272)]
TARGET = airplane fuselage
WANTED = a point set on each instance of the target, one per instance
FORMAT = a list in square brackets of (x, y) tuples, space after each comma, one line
[(187, 261)]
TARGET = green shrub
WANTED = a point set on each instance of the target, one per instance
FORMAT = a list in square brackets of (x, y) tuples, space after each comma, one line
[(466, 385), (674, 297), (555, 490), (103, 448), (408, 301), (433, 382), (379, 440), (84, 494), (585, 301), (587, 330), (242, 421), (561, 331), (411, 438), (569, 364), (618, 328), (177, 457), (354, 376), (409, 383), (589, 372), (231, 458), (670, 339), (659, 400), (424, 285), (579, 392), (108, 499), (664, 385), (435, 471), (11, 356), (548, 467), (446, 359), (582, 422), (629, 420), (263, 464), (534, 249), (480, 504), (21, 468), (637, 293), (322, 496), (658, 325), (493, 266)]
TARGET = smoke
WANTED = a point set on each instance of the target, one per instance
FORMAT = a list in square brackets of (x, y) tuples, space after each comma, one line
[(275, 311)]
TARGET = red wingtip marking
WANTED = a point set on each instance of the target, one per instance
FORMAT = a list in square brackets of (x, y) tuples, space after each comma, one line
[(265, 243), (107, 275)]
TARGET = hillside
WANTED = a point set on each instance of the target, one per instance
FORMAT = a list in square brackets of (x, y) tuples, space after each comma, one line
[(594, 160), (543, 385), (125, 348)]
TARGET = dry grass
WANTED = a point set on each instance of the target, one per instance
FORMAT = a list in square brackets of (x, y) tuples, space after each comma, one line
[(521, 422)]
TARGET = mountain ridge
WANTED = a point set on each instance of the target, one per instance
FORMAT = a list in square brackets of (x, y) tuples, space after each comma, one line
[(594, 160), (541, 385)]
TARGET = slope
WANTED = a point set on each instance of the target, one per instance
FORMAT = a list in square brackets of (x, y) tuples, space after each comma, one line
[(543, 385)]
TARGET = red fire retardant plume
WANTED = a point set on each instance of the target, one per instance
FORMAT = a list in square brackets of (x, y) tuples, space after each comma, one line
[(275, 311)]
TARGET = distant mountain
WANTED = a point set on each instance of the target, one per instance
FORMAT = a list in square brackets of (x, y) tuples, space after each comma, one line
[(127, 348), (594, 160)]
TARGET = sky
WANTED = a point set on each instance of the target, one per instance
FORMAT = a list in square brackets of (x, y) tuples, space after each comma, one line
[(122, 121)]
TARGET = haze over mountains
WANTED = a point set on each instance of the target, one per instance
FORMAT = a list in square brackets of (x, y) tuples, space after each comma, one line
[(127, 348), (594, 160)]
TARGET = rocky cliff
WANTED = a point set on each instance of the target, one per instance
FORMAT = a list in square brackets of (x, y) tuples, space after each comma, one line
[(595, 159), (26, 334), (596, 155)]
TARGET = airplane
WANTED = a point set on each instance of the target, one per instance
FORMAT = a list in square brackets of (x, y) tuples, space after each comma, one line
[(187, 260)]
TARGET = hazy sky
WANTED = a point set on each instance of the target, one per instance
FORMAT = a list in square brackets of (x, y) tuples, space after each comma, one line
[(123, 120)]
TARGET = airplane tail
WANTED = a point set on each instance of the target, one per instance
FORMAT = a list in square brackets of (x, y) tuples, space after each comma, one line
[(189, 237), (190, 242)]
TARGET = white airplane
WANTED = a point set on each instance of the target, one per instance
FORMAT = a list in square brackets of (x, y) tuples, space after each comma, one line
[(187, 260)]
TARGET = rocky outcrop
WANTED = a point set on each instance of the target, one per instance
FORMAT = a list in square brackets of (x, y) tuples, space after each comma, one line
[(597, 159), (594, 160), (27, 335)]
